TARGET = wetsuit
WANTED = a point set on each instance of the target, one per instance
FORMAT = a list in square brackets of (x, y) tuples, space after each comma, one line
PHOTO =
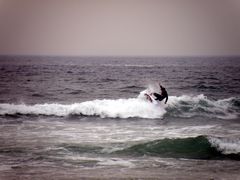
[(161, 96)]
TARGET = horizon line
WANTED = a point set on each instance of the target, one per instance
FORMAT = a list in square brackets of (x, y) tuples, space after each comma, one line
[(119, 56)]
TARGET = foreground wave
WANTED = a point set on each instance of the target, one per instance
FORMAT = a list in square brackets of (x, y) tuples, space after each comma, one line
[(182, 106), (200, 147)]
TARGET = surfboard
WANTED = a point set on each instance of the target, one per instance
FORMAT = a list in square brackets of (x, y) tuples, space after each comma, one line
[(148, 97)]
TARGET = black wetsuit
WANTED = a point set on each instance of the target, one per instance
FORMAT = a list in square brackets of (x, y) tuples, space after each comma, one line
[(161, 96)]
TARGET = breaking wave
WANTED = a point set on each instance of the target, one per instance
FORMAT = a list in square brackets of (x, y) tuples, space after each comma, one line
[(181, 106)]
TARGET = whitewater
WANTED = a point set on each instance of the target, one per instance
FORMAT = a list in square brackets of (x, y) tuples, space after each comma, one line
[(182, 106)]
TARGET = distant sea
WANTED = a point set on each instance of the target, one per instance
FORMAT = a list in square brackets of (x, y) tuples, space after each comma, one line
[(87, 117)]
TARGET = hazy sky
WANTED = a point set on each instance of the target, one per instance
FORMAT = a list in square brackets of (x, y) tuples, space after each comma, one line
[(120, 27)]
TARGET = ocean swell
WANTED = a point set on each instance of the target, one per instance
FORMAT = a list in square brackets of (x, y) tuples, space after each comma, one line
[(199, 147)]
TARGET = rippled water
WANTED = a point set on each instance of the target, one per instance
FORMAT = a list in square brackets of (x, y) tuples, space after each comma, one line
[(88, 115)]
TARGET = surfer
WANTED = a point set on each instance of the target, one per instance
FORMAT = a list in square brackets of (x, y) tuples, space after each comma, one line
[(163, 94)]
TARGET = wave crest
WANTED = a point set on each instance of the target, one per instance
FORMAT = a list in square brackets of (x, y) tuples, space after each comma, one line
[(190, 106)]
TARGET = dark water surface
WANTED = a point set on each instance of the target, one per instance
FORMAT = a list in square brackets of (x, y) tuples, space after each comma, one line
[(88, 115)]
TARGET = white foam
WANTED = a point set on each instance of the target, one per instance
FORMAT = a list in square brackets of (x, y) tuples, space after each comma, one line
[(226, 145), (121, 108), (116, 162)]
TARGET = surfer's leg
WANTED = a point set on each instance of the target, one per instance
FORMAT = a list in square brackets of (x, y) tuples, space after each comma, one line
[(159, 97)]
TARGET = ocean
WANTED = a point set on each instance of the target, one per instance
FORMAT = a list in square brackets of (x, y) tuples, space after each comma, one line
[(88, 118)]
